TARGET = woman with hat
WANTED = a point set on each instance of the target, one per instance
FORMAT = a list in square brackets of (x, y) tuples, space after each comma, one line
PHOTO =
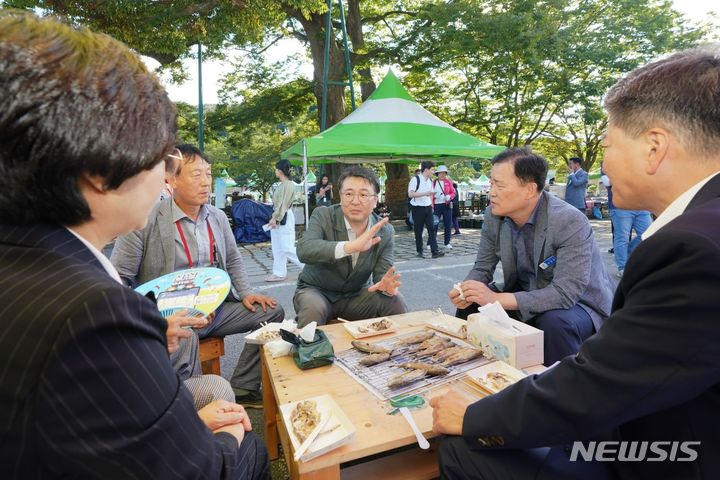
[(444, 194)]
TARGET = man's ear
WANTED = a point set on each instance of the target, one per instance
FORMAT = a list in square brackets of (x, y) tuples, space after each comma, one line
[(657, 141)]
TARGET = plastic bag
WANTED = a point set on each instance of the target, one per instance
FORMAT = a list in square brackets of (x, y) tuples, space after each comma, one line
[(313, 354)]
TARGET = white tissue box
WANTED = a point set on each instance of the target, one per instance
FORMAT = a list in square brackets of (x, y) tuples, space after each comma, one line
[(511, 341)]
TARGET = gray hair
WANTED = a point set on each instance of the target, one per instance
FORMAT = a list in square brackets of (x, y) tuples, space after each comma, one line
[(680, 93)]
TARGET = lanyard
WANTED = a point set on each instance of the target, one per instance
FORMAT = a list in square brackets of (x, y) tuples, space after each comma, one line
[(187, 250)]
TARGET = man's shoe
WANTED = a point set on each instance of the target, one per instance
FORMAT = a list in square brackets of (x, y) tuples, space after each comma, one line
[(612, 250), (456, 233), (438, 255), (620, 273), (250, 400), (420, 255), (448, 247), (274, 278)]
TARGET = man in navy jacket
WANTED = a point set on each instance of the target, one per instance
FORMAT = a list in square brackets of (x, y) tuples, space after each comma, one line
[(649, 381)]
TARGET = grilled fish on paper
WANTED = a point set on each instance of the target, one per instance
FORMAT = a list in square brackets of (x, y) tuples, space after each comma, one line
[(374, 359), (378, 326), (433, 370), (465, 355), (417, 337), (369, 347), (406, 378)]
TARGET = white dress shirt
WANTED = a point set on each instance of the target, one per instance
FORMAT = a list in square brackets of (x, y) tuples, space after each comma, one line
[(104, 261), (340, 247), (426, 186)]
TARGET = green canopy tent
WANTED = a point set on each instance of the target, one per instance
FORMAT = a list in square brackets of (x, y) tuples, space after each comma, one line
[(388, 127)]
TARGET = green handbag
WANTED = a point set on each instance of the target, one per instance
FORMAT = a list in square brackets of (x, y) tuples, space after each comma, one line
[(313, 354)]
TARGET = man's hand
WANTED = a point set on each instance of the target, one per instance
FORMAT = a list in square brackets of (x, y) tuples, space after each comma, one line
[(477, 292), (449, 411), (454, 295), (175, 330), (272, 223), (389, 283), (367, 240), (221, 413), (263, 300)]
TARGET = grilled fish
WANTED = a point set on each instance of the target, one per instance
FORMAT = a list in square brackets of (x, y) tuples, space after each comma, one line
[(463, 356), (369, 347), (406, 378), (374, 359), (433, 370), (431, 342), (417, 337), (444, 354)]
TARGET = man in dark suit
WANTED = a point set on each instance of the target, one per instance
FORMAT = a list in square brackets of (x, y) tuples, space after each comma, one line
[(86, 385), (348, 255), (553, 276), (649, 381)]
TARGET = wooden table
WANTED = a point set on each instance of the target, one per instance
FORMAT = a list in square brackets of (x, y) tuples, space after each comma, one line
[(377, 431)]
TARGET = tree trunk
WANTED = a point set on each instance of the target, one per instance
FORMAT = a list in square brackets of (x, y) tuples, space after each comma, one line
[(315, 30)]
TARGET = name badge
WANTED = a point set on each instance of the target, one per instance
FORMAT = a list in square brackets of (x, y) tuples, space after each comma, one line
[(548, 262)]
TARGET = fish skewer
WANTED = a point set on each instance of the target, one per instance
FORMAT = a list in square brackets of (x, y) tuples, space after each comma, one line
[(429, 343), (406, 378), (465, 355), (369, 347), (374, 359), (417, 338), (432, 370)]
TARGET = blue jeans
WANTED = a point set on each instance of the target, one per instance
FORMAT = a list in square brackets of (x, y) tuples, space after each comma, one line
[(624, 222)]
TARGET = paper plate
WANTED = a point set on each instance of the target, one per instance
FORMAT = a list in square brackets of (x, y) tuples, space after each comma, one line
[(198, 290)]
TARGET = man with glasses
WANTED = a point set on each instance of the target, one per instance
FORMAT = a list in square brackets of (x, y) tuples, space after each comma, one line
[(348, 255)]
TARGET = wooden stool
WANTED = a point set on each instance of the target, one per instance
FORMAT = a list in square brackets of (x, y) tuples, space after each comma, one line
[(211, 349)]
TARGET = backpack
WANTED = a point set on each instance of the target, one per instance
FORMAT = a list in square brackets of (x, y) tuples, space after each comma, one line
[(417, 185)]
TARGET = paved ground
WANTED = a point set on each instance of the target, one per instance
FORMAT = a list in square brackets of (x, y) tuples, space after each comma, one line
[(425, 284)]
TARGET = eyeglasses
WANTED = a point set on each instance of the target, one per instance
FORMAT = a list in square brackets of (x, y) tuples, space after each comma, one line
[(362, 197)]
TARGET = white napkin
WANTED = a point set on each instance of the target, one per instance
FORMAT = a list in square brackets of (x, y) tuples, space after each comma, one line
[(307, 333), (279, 348)]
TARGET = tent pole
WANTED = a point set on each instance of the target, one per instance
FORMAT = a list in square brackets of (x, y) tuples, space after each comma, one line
[(305, 186)]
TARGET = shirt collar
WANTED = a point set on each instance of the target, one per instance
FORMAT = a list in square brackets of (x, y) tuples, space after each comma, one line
[(109, 268), (533, 215), (676, 208), (178, 214), (349, 228)]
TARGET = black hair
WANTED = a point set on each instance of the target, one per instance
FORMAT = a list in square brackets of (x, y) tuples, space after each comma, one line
[(73, 102), (362, 172), (319, 183), (284, 166), (426, 165), (576, 160), (189, 152), (529, 167)]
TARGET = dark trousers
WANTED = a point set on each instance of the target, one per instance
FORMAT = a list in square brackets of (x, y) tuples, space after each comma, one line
[(461, 460), (445, 213), (563, 330), (423, 217), (253, 462)]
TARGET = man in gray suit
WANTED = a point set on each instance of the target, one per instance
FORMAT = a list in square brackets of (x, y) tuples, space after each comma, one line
[(345, 249), (554, 278), (576, 184), (184, 231)]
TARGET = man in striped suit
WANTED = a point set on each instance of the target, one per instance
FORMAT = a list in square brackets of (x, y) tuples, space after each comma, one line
[(86, 386)]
